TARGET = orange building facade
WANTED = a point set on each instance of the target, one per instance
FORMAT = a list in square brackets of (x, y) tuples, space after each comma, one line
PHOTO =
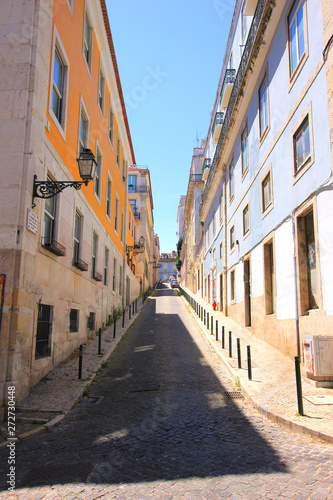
[(64, 264)]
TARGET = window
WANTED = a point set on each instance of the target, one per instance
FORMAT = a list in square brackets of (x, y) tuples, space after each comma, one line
[(221, 250), (111, 126), (87, 41), (49, 219), (77, 237), (44, 331), (98, 173), (296, 35), (214, 223), (243, 22), (94, 254), (114, 274), (244, 151), (106, 266), (214, 253), (58, 85), (263, 106), (83, 130), (108, 196), (116, 214), (132, 183), (120, 279), (231, 181), (232, 238), (129, 220), (269, 278), (221, 208), (302, 148), (122, 224), (246, 220), (101, 90), (124, 171), (232, 285), (266, 193), (74, 320), (118, 153), (307, 263)]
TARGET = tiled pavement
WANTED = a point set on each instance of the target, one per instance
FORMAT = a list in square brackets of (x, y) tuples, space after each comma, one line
[(272, 389)]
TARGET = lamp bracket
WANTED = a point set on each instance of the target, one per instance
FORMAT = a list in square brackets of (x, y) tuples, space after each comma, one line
[(49, 189)]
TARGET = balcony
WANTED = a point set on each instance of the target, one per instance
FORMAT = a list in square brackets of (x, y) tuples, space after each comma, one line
[(250, 7), (136, 214), (218, 122), (228, 82), (53, 246), (206, 168), (80, 264), (195, 177)]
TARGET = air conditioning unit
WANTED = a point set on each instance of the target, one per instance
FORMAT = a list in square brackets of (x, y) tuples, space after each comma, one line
[(318, 359)]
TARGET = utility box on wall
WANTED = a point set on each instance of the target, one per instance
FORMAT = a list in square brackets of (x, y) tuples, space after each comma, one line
[(318, 359)]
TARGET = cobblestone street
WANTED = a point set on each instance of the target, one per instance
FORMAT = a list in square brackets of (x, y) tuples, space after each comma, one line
[(162, 420)]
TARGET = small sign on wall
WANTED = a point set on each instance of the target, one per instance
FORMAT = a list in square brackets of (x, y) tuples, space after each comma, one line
[(32, 221)]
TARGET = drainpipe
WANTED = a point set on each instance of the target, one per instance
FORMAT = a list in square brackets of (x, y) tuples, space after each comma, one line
[(298, 344), (125, 242), (225, 250)]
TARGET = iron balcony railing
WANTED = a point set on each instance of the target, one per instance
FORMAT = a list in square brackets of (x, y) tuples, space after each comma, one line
[(138, 189), (219, 117), (80, 264), (229, 79), (136, 214), (253, 43), (195, 177)]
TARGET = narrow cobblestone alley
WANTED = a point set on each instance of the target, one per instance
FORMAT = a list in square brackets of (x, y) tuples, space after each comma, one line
[(158, 423)]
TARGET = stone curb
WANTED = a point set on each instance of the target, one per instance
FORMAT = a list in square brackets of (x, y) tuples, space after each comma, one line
[(273, 417)]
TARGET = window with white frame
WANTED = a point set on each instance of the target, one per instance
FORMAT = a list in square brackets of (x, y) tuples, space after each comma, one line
[(302, 146), (108, 196), (118, 153), (232, 238), (263, 106), (232, 285), (244, 150), (106, 266), (122, 225), (221, 208), (98, 173), (94, 249), (87, 41), (49, 219), (116, 213), (83, 130), (296, 35), (77, 237), (59, 83), (214, 224), (231, 180), (246, 220), (266, 192), (111, 126), (101, 90), (114, 275)]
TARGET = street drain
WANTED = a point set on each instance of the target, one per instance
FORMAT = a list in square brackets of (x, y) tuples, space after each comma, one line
[(144, 387), (57, 474), (234, 395), (91, 400)]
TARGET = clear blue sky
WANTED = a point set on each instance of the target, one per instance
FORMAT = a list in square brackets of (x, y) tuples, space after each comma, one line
[(170, 55)]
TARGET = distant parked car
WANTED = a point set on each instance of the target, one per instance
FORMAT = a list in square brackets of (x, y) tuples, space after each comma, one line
[(174, 284)]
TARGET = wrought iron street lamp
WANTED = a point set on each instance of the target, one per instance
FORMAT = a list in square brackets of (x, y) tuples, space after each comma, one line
[(48, 189)]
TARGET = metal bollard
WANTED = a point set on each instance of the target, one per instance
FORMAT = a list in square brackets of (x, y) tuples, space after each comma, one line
[(249, 366), (100, 341), (239, 354), (211, 325), (217, 330), (133, 308), (114, 327), (201, 313), (299, 386), (223, 344), (205, 317), (80, 361), (129, 311), (136, 305), (207, 320), (230, 344), (123, 323)]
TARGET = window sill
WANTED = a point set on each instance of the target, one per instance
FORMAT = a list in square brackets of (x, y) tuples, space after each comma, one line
[(80, 264), (97, 276), (54, 247)]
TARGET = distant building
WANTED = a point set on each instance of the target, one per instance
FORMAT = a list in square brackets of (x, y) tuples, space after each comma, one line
[(168, 265), (180, 216)]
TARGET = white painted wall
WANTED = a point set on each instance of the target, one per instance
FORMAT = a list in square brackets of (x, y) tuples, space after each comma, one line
[(284, 269), (325, 243), (257, 272)]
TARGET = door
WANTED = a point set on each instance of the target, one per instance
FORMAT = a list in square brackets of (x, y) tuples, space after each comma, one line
[(247, 292)]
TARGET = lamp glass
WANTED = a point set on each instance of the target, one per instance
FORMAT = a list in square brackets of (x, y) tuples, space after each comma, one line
[(86, 163)]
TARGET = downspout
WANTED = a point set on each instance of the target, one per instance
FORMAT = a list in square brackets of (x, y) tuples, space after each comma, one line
[(125, 242), (225, 251)]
